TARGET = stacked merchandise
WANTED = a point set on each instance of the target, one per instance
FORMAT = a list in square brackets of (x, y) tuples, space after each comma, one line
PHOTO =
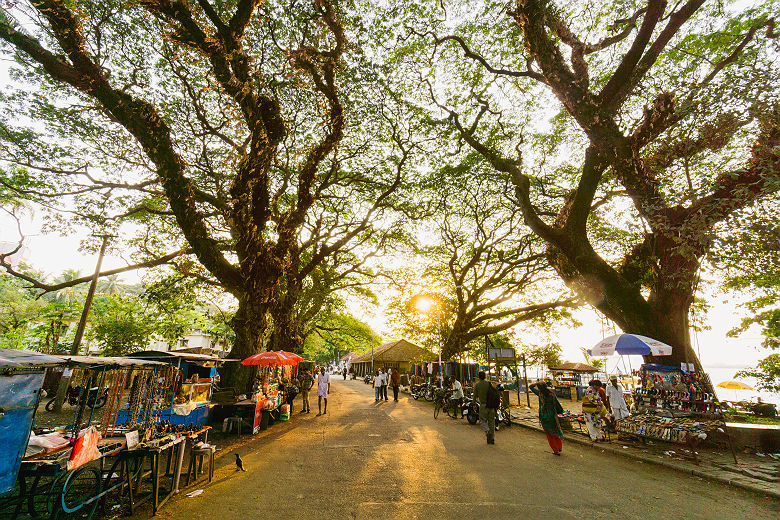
[(680, 430), (671, 388)]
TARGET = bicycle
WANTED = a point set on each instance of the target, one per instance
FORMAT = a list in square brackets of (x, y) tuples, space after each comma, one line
[(443, 401)]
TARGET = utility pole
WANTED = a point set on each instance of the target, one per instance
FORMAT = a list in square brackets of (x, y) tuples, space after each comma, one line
[(74, 349)]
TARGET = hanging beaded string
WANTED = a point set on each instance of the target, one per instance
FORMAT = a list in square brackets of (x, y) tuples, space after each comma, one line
[(136, 400), (110, 382)]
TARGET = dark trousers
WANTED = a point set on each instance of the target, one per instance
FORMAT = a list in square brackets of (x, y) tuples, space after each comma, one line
[(395, 392), (384, 392)]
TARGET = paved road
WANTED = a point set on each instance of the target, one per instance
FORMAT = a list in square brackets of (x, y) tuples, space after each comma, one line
[(393, 460)]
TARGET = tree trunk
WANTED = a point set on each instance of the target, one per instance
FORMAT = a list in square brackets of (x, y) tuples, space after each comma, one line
[(249, 324), (287, 327), (286, 334)]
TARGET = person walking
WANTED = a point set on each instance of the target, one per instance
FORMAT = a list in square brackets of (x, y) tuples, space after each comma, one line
[(323, 389), (305, 382), (344, 373), (593, 410), (616, 399), (377, 386), (395, 381), (385, 377), (549, 408), (487, 416)]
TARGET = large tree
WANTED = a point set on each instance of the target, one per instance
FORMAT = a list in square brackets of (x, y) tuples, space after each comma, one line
[(630, 130), (218, 122), (485, 269)]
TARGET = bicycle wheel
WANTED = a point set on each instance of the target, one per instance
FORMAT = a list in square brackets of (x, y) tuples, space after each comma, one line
[(436, 409), (452, 410), (429, 394)]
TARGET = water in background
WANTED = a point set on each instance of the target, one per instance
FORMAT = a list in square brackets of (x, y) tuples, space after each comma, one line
[(720, 374)]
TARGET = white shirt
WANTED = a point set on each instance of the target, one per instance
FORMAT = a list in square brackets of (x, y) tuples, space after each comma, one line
[(615, 396), (323, 380), (377, 380), (383, 375), (457, 390)]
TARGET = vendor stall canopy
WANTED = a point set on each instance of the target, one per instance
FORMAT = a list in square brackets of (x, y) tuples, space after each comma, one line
[(172, 356), (15, 358), (630, 344), (575, 367)]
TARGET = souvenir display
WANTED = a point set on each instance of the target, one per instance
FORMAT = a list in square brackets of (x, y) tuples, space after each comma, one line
[(681, 430), (671, 388)]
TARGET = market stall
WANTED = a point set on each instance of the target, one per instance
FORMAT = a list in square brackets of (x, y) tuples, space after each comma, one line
[(273, 387), (92, 456), (191, 386), (673, 405), (570, 380)]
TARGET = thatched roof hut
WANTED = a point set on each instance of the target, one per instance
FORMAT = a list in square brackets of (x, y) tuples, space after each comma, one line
[(399, 354)]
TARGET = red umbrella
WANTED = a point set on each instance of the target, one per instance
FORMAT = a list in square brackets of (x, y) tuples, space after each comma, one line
[(268, 358), (292, 355), (273, 357)]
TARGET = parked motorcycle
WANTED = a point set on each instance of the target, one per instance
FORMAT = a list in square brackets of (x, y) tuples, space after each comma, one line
[(95, 400), (471, 409), (367, 379)]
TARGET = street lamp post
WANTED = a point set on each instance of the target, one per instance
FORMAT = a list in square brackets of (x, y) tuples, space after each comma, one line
[(441, 368)]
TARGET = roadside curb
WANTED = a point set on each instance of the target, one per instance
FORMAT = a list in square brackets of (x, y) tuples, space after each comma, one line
[(650, 460)]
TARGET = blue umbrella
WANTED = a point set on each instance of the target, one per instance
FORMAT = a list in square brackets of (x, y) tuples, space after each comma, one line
[(630, 344)]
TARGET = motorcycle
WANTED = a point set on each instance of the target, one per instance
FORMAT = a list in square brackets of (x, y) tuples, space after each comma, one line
[(367, 379), (95, 400), (471, 410)]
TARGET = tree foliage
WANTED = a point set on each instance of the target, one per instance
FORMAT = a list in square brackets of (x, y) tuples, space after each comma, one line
[(629, 130), (217, 127), (767, 372)]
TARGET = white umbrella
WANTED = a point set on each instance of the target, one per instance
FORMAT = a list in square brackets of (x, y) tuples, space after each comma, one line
[(626, 344)]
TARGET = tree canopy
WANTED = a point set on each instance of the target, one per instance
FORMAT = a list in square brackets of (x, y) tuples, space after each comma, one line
[(275, 150)]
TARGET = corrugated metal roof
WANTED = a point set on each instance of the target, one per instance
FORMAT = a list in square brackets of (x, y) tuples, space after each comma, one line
[(107, 360), (16, 358)]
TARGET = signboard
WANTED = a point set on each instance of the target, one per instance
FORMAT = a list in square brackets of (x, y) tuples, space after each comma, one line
[(501, 353), (258, 414)]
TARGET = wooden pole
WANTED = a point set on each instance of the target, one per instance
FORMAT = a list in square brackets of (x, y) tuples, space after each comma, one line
[(525, 381), (74, 349)]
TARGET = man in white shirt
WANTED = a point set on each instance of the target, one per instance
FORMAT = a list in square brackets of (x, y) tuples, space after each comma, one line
[(377, 385), (385, 378), (616, 400), (323, 389), (457, 395)]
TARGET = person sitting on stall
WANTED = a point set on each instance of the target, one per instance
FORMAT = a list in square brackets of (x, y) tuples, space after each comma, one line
[(457, 395), (291, 391), (593, 410)]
